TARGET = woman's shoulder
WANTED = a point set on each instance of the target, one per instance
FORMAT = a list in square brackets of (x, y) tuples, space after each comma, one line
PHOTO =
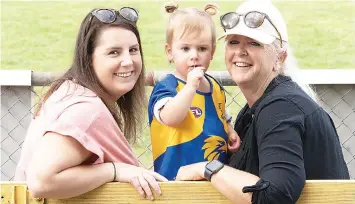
[(74, 99), (291, 95), (74, 106), (69, 90)]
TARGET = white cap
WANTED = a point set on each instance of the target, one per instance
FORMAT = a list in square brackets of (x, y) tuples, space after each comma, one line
[(266, 33)]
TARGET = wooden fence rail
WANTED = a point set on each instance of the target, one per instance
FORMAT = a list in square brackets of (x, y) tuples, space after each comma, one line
[(314, 192)]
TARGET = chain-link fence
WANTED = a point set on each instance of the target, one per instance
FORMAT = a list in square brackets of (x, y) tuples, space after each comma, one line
[(18, 103)]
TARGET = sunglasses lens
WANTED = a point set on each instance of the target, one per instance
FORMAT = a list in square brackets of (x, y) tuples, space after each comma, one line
[(129, 14), (254, 19), (230, 20), (106, 16)]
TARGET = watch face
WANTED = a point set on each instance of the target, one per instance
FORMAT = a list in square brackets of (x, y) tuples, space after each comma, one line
[(214, 165)]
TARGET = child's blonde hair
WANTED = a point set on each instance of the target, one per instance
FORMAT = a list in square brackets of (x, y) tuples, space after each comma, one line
[(183, 22)]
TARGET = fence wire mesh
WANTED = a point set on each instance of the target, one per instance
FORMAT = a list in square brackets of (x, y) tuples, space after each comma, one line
[(18, 104)]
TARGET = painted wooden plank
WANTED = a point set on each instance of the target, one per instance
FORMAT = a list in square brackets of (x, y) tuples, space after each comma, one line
[(314, 192)]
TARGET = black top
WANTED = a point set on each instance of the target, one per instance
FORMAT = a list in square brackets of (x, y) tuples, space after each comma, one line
[(286, 139)]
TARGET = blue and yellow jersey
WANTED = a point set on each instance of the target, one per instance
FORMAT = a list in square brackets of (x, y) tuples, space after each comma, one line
[(202, 136)]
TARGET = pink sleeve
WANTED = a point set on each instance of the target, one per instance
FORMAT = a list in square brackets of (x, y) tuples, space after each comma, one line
[(75, 121)]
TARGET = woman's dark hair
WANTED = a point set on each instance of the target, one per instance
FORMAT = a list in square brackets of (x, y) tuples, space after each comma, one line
[(128, 110)]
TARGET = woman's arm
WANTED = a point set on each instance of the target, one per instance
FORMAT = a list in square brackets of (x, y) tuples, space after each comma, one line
[(228, 181), (55, 169)]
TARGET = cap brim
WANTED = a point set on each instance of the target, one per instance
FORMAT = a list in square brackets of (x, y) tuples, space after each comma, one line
[(253, 33)]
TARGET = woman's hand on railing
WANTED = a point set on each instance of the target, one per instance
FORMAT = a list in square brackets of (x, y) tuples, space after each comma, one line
[(142, 179)]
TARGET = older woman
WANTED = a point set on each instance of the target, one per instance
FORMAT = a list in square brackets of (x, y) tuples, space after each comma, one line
[(286, 136)]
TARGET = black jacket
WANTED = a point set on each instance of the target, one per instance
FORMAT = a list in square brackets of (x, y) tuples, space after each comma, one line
[(286, 139)]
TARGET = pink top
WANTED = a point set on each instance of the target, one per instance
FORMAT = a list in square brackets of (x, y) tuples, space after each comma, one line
[(77, 112)]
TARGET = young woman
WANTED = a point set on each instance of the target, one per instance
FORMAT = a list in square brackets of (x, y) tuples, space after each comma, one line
[(79, 138)]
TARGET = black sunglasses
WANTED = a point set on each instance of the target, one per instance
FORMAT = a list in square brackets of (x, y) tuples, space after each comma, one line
[(252, 19)]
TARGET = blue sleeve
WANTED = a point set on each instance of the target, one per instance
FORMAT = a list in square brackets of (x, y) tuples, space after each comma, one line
[(161, 90)]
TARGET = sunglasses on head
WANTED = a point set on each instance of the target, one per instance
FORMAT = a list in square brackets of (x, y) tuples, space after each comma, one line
[(252, 19), (110, 15)]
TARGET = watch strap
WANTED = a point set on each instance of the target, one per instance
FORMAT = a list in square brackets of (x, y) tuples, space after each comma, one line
[(208, 174), (210, 171)]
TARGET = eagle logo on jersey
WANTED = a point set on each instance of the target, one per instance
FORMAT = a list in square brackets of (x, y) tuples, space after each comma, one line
[(214, 146), (196, 111)]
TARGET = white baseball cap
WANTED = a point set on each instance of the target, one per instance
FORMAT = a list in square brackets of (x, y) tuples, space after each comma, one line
[(266, 33)]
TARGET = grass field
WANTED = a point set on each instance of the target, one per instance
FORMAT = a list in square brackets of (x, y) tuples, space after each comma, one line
[(40, 35)]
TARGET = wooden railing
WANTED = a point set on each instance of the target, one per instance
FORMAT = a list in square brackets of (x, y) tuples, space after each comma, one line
[(314, 192)]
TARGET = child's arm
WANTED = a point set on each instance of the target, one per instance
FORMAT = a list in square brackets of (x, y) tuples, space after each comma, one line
[(233, 137), (176, 109)]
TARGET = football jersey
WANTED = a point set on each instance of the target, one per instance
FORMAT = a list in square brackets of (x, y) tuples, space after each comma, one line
[(201, 136)]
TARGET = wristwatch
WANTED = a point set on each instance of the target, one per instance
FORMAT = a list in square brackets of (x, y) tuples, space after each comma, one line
[(212, 167)]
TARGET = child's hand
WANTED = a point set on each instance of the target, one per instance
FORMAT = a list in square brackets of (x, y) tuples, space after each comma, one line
[(233, 139), (194, 77)]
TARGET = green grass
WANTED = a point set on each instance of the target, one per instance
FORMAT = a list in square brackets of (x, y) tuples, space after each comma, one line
[(40, 36)]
